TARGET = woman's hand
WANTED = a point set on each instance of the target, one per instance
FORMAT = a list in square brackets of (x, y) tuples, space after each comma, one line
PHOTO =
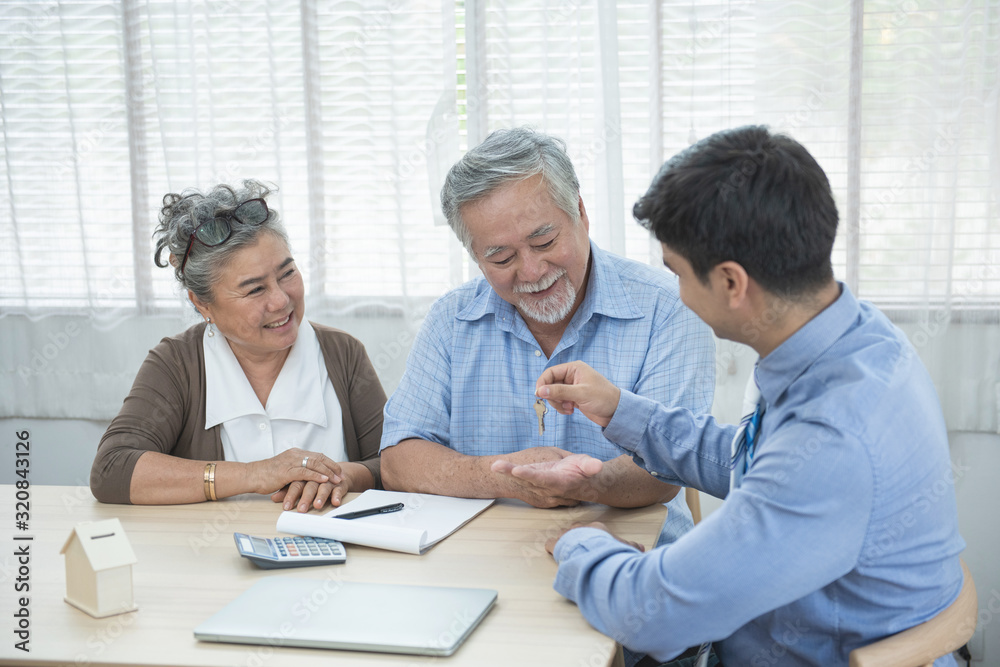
[(352, 477), (291, 465)]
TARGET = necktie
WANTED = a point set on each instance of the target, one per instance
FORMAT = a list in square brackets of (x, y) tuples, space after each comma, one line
[(744, 443)]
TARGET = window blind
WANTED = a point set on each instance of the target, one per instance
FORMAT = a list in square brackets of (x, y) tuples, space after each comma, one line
[(356, 109)]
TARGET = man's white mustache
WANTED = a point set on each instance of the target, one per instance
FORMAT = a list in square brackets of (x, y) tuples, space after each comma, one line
[(543, 284)]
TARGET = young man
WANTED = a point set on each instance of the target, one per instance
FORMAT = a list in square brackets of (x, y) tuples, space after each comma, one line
[(839, 525)]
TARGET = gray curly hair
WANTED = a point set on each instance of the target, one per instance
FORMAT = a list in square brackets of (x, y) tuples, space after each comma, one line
[(179, 218)]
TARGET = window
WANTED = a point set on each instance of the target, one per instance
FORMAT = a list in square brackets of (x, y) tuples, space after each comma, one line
[(356, 110)]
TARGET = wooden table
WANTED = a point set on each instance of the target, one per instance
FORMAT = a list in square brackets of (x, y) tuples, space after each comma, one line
[(188, 568)]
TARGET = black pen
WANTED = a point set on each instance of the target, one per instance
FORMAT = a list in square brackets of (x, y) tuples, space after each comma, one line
[(384, 509)]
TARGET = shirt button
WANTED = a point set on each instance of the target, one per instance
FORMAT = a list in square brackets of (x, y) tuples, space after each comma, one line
[(538, 353), (263, 426)]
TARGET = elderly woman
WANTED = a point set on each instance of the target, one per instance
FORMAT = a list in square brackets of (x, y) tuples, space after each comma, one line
[(254, 399)]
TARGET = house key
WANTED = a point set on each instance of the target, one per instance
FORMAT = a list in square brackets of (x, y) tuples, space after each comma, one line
[(540, 409)]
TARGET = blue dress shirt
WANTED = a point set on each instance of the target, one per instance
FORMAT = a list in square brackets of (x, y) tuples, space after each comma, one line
[(844, 529), (470, 377)]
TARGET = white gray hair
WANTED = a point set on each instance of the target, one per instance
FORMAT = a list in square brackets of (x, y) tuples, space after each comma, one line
[(509, 155)]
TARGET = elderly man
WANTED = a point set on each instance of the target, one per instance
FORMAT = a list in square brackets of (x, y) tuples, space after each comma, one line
[(465, 411)]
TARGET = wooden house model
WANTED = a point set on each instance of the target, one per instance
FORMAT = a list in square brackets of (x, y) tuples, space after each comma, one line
[(99, 563)]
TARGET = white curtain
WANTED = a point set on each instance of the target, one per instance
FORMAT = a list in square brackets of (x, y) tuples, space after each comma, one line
[(356, 110)]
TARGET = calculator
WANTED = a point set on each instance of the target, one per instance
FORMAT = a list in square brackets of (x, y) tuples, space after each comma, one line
[(276, 552)]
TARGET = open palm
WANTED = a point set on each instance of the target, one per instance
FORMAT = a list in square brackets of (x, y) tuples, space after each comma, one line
[(570, 477)]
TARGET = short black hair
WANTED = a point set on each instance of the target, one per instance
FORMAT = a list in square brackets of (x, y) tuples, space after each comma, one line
[(752, 197)]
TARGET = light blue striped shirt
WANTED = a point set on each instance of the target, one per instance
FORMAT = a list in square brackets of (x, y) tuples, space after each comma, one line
[(843, 530), (470, 377)]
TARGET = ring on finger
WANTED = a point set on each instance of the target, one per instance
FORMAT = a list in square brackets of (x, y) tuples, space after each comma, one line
[(305, 462)]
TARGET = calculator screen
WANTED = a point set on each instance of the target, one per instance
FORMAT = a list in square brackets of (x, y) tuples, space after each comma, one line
[(260, 546)]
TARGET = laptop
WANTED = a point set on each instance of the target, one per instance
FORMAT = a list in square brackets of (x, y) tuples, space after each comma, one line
[(315, 613)]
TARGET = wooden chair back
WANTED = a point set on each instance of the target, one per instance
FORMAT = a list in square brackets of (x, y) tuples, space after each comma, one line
[(922, 644)]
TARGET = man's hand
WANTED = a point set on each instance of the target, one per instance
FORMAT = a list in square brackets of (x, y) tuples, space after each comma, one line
[(570, 477), (550, 544), (537, 495), (577, 385)]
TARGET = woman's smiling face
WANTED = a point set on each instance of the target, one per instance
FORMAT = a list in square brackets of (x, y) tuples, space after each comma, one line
[(258, 298)]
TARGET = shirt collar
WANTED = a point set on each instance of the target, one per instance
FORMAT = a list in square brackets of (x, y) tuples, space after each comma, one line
[(606, 295), (297, 393), (775, 372)]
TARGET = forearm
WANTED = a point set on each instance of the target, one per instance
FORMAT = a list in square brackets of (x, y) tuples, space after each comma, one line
[(361, 478), (160, 479), (421, 466), (621, 483), (689, 449)]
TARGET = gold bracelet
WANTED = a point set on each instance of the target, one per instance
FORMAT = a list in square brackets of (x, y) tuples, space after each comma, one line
[(210, 482)]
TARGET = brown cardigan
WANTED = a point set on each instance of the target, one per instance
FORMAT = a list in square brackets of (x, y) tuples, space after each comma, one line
[(165, 411)]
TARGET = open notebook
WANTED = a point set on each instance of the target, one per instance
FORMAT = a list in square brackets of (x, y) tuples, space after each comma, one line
[(424, 521), (315, 613)]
